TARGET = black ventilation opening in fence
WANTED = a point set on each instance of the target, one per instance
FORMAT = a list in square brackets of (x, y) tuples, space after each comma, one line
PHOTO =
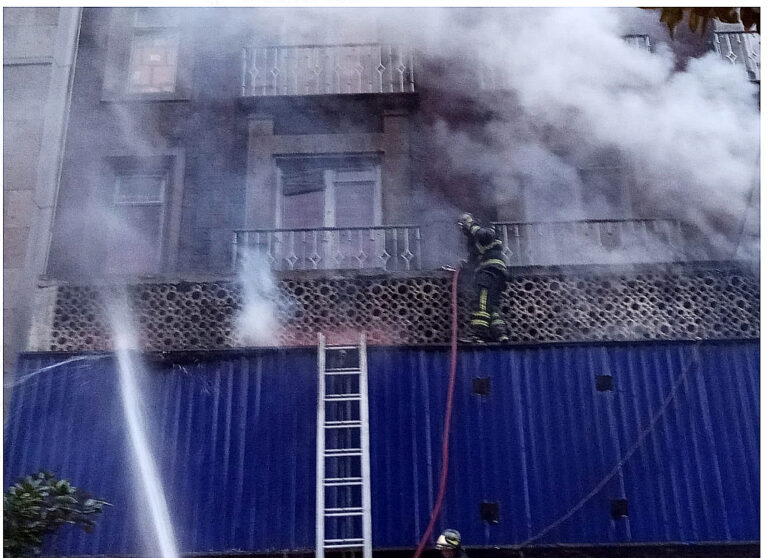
[(481, 386), (604, 382), (619, 508), (489, 512)]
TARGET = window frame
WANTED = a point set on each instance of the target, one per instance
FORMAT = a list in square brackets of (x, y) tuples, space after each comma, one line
[(162, 203), (163, 176), (125, 24), (150, 32)]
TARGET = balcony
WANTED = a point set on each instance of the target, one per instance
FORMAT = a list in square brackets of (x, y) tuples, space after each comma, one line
[(740, 48), (391, 248), (326, 70), (594, 242)]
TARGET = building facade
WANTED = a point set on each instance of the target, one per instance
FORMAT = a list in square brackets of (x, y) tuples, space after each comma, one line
[(315, 173)]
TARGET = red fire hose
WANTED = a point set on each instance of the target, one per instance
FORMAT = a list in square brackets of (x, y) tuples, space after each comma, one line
[(447, 426)]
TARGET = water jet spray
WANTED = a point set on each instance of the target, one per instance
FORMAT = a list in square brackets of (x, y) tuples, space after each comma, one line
[(129, 365)]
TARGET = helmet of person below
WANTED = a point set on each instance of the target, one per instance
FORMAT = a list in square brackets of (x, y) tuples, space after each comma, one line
[(449, 539)]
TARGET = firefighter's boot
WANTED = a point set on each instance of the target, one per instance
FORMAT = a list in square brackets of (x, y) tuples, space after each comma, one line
[(499, 328)]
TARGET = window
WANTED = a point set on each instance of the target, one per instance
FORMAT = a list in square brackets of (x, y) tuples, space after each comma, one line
[(605, 190), (321, 192), (153, 63), (138, 222), (142, 198), (146, 58), (154, 52)]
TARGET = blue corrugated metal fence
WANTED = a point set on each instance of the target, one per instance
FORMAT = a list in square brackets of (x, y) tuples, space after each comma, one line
[(234, 436)]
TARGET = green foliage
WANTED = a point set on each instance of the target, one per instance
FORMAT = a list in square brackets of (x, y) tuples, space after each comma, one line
[(38, 505), (699, 18)]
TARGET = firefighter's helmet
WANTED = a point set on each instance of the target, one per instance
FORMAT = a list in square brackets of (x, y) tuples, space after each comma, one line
[(450, 538), (466, 220)]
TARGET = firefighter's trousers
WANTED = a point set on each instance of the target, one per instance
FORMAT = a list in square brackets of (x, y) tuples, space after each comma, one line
[(487, 322)]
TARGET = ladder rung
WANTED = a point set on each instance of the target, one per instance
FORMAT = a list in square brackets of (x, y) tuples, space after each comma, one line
[(341, 347), (341, 371), (343, 512), (342, 423), (344, 452), (342, 543), (342, 397), (341, 481)]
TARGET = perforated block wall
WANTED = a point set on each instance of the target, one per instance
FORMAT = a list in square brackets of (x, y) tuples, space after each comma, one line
[(541, 307)]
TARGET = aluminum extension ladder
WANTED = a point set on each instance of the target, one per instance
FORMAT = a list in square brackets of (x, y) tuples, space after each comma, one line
[(343, 503)]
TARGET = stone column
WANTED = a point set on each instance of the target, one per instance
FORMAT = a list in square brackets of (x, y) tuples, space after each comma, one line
[(396, 169), (40, 49), (262, 174)]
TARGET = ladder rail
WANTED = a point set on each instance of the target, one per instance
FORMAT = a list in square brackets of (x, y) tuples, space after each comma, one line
[(320, 447), (366, 447)]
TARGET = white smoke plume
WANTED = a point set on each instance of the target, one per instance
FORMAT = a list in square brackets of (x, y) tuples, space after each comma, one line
[(257, 320), (691, 137), (578, 91)]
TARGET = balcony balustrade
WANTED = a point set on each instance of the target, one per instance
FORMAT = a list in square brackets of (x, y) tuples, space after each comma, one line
[(638, 40), (377, 68), (497, 77), (740, 48), (398, 248), (594, 242), (326, 70), (391, 248)]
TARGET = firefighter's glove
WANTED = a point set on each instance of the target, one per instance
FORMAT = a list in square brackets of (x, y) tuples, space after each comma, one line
[(466, 220)]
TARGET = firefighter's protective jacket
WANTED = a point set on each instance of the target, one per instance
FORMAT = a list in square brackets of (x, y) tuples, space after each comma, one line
[(485, 248)]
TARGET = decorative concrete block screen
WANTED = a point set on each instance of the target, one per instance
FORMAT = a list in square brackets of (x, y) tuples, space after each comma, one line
[(540, 307)]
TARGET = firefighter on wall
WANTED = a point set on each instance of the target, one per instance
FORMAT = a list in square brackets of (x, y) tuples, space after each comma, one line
[(485, 255), (449, 544)]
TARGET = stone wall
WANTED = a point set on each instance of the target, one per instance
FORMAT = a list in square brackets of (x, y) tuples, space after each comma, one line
[(38, 50)]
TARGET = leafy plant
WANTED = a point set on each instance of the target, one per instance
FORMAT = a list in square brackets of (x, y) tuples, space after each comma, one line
[(38, 505)]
